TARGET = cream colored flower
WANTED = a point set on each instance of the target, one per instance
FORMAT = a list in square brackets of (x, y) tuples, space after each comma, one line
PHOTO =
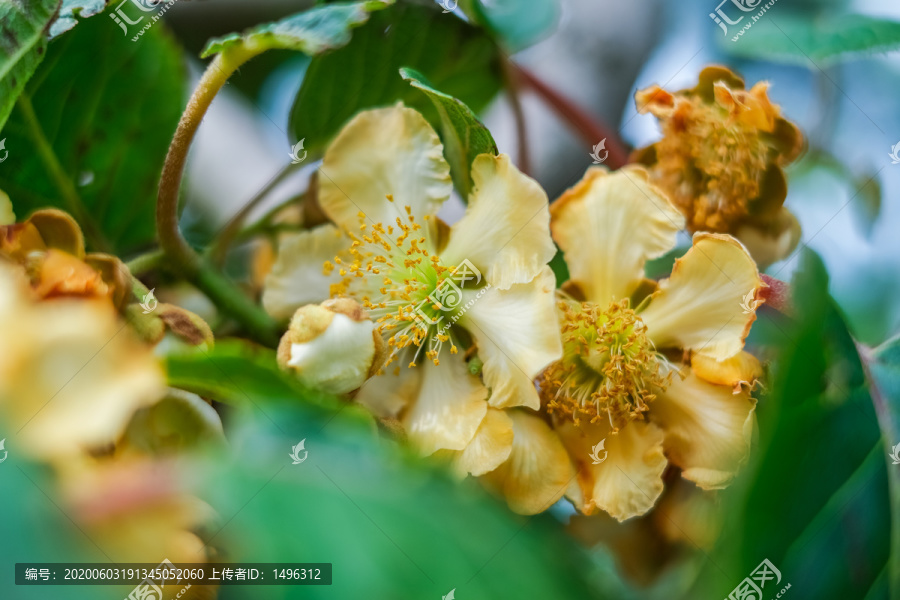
[(71, 375), (626, 375), (433, 291)]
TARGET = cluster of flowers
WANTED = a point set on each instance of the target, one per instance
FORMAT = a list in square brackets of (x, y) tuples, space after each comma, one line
[(521, 385)]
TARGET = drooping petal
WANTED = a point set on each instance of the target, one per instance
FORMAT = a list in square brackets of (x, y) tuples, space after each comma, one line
[(384, 152), (489, 448), (708, 429), (629, 481), (505, 229), (740, 371), (608, 226), (297, 277), (708, 303), (517, 333), (538, 470), (449, 407)]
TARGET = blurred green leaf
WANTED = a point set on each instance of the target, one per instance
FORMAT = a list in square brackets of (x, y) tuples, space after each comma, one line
[(796, 38), (313, 31), (391, 527), (109, 117), (815, 497), (23, 43), (517, 23), (241, 373), (457, 58), (884, 368), (464, 136)]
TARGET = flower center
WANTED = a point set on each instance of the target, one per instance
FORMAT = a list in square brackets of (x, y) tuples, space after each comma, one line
[(401, 284), (610, 368)]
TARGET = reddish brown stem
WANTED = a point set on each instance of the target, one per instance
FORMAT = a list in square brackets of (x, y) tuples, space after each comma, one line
[(581, 122)]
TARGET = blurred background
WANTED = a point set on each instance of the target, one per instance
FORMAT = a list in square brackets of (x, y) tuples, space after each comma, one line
[(819, 500)]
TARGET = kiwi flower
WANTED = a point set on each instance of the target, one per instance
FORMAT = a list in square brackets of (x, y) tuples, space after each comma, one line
[(655, 372), (720, 160), (435, 293)]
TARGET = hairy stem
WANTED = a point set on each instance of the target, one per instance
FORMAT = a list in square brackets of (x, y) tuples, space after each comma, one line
[(181, 257), (513, 84)]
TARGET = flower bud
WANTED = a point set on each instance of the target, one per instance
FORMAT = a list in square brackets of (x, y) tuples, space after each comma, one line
[(331, 346)]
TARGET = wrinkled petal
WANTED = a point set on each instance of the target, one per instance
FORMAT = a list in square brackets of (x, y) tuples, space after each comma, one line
[(742, 370), (505, 229), (517, 333), (448, 409), (708, 429), (490, 447), (608, 226), (537, 471), (708, 303), (297, 277), (629, 481), (384, 152)]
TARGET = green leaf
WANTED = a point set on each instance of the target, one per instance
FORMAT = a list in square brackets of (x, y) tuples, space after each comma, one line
[(457, 58), (23, 28), (796, 38), (815, 496), (518, 23), (464, 136), (240, 373), (72, 10), (391, 527), (109, 117), (313, 31)]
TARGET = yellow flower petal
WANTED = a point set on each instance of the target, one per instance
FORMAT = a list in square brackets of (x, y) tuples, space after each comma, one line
[(708, 429), (505, 229), (740, 371), (537, 471), (608, 226), (626, 484), (7, 216), (297, 278), (703, 305), (384, 152), (448, 409), (517, 333), (490, 447)]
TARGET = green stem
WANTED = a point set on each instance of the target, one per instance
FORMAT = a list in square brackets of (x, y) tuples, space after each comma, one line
[(180, 256), (145, 262), (60, 179)]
